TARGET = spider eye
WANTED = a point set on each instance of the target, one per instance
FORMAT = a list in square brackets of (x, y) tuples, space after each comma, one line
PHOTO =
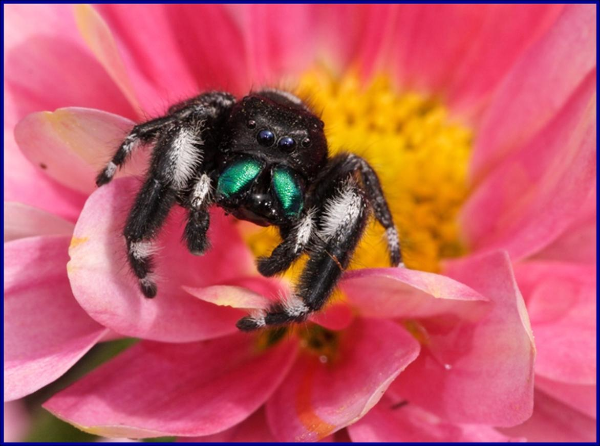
[(287, 144), (251, 123), (306, 142), (265, 138)]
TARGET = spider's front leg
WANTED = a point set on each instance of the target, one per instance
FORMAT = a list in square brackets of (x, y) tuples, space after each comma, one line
[(295, 242), (177, 159), (340, 223), (198, 202), (169, 172), (140, 134)]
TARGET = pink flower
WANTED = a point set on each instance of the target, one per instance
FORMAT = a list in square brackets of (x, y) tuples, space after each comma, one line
[(16, 421), (457, 346)]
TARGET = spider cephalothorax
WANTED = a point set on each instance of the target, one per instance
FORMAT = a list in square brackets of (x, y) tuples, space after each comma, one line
[(263, 159)]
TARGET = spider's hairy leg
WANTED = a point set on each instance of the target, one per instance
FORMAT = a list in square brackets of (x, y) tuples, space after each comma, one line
[(349, 162), (175, 160), (211, 104), (341, 224), (140, 134), (198, 216), (295, 242), (150, 209)]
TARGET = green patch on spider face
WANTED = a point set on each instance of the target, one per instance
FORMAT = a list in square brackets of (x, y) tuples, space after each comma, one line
[(237, 176), (287, 191)]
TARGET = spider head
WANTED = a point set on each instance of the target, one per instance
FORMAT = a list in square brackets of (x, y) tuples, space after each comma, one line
[(273, 147)]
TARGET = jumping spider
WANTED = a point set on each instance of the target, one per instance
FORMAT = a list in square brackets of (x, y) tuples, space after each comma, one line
[(263, 159)]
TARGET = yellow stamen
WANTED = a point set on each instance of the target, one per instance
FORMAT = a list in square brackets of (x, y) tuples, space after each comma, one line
[(420, 155)]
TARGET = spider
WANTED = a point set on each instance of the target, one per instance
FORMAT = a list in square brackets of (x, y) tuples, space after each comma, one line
[(263, 159)]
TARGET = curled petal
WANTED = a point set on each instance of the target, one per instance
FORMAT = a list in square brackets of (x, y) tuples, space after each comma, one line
[(74, 144), (22, 221), (550, 176), (28, 184), (403, 293), (537, 87), (155, 389), (320, 398), (45, 330), (398, 421), (108, 291), (561, 302), (230, 296), (258, 293), (489, 360)]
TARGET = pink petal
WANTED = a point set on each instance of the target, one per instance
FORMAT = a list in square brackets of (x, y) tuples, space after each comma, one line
[(45, 330), (578, 241), (554, 422), (50, 67), (28, 184), (335, 316), (551, 176), (537, 88), (74, 144), (16, 421), (320, 398), (151, 51), (22, 221), (341, 29), (231, 296), (258, 293), (501, 36), (98, 37), (252, 430), (279, 40), (194, 389), (107, 290), (489, 361), (580, 397), (561, 301), (403, 293), (387, 422), (460, 51), (372, 54), (170, 50)]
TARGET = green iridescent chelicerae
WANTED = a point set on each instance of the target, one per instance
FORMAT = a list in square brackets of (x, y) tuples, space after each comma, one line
[(237, 176), (287, 191)]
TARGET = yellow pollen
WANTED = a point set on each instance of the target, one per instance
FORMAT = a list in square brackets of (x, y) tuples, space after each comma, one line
[(419, 153)]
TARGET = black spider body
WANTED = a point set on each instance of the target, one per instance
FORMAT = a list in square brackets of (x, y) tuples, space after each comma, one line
[(263, 159), (299, 161)]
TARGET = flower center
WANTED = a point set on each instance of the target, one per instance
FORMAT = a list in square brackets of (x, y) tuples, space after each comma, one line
[(420, 155), (314, 340)]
